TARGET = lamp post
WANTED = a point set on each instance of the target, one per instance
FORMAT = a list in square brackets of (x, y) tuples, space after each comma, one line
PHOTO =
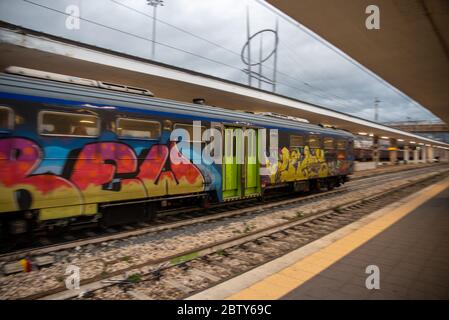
[(154, 4)]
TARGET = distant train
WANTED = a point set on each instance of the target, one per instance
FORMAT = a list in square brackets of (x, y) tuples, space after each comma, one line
[(75, 150)]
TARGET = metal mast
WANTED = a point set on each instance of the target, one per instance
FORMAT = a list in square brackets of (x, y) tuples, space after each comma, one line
[(376, 109), (257, 73), (154, 4)]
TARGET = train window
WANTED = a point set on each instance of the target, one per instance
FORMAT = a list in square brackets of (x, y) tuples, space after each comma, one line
[(68, 124), (272, 141), (314, 142), (351, 148), (329, 144), (189, 129), (138, 129), (297, 141), (6, 118), (341, 144)]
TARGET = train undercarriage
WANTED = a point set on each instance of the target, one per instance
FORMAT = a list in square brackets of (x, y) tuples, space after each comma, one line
[(146, 210)]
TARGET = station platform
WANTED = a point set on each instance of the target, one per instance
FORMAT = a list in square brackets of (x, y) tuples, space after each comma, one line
[(408, 241)]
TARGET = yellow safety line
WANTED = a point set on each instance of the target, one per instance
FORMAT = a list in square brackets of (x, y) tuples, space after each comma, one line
[(290, 278)]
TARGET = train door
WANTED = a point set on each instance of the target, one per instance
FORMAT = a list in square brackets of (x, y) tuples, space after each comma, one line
[(240, 163), (251, 172)]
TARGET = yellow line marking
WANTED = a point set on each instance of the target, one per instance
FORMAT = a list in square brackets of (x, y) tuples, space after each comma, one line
[(290, 278)]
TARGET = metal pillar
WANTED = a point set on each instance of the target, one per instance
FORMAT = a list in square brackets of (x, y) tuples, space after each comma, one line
[(376, 109), (246, 55), (154, 4), (275, 62), (248, 36), (153, 42)]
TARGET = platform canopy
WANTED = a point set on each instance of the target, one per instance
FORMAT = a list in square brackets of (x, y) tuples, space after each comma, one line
[(410, 50), (30, 49)]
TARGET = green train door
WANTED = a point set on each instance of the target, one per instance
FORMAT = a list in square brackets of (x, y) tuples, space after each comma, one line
[(240, 164)]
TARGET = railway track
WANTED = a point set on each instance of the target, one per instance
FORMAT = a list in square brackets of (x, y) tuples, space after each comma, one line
[(171, 219), (180, 275), (390, 169)]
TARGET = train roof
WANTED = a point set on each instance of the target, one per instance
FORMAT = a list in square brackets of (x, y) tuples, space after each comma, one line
[(24, 85)]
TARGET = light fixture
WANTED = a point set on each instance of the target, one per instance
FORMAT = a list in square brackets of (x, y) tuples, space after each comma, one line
[(87, 121), (412, 142), (155, 3), (401, 140), (384, 137), (371, 134), (362, 133)]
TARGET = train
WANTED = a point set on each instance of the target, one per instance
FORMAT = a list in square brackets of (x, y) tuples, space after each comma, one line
[(75, 151)]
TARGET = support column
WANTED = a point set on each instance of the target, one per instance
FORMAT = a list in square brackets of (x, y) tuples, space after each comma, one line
[(406, 154), (376, 151), (430, 154), (423, 154), (416, 155), (441, 154), (393, 153)]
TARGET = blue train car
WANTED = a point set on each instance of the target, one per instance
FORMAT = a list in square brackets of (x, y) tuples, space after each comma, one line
[(75, 150)]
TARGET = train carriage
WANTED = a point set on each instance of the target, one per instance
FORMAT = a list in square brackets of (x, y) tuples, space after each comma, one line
[(76, 150)]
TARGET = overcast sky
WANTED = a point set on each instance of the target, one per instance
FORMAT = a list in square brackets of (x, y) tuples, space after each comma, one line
[(208, 36)]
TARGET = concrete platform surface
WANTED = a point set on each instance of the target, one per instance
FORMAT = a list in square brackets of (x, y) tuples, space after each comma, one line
[(406, 242)]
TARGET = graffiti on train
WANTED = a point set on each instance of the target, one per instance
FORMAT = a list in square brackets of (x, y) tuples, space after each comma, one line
[(96, 172), (306, 163)]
